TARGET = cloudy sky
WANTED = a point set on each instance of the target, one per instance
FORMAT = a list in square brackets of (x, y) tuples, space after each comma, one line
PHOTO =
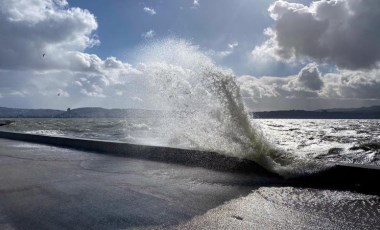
[(285, 55)]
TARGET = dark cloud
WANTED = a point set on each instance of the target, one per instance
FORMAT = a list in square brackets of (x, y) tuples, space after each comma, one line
[(310, 78), (341, 32)]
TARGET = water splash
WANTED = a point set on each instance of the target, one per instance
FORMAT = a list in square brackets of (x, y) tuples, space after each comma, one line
[(207, 109)]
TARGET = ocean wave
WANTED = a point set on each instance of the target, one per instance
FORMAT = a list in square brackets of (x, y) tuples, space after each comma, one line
[(211, 114)]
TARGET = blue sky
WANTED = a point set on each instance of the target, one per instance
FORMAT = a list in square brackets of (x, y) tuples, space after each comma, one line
[(213, 24), (282, 54)]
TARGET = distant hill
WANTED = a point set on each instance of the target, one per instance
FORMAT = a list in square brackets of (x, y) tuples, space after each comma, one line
[(89, 112), (372, 112), (31, 113), (96, 112)]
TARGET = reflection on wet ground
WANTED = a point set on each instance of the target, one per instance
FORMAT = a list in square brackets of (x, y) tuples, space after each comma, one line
[(44, 187)]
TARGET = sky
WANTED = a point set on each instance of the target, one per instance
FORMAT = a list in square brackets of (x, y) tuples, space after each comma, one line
[(283, 54)]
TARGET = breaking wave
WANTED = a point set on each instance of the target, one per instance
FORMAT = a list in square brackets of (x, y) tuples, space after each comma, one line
[(206, 109)]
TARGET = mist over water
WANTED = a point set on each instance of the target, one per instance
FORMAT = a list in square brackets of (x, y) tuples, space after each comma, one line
[(207, 111)]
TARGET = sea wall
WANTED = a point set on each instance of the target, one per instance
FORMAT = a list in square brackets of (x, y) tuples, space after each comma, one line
[(353, 177), (188, 157)]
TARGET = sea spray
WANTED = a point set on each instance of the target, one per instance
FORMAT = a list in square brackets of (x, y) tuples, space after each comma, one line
[(206, 109)]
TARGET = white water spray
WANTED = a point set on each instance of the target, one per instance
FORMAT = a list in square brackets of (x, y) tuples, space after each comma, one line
[(209, 113)]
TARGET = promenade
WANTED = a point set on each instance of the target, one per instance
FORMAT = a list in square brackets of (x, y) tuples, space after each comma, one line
[(46, 187)]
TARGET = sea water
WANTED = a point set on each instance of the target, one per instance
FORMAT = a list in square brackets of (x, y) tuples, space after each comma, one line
[(322, 140)]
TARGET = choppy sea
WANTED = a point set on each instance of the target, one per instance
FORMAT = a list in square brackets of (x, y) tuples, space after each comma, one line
[(348, 141)]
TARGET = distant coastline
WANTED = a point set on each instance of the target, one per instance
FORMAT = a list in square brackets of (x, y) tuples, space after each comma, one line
[(372, 112), (97, 112), (87, 112)]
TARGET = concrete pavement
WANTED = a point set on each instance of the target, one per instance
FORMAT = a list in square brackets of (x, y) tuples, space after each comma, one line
[(44, 187)]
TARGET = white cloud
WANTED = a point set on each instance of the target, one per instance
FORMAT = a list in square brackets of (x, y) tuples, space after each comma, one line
[(352, 84), (196, 3), (306, 83), (269, 51), (42, 54), (95, 91), (337, 32), (31, 29), (312, 90), (150, 11), (119, 93), (62, 93), (149, 34), (233, 45), (18, 93), (228, 51), (48, 35), (341, 32)]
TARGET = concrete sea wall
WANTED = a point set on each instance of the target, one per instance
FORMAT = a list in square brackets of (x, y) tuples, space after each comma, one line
[(353, 177), (188, 157)]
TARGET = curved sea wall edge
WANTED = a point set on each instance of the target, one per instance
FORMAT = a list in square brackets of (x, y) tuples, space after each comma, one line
[(187, 157), (353, 177)]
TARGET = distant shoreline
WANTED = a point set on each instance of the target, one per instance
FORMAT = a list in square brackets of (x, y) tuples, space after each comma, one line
[(96, 112), (300, 114)]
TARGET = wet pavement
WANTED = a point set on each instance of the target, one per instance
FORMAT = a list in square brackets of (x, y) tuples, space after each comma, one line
[(44, 187)]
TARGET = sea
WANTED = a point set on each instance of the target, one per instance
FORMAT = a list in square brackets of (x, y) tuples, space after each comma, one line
[(337, 141)]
